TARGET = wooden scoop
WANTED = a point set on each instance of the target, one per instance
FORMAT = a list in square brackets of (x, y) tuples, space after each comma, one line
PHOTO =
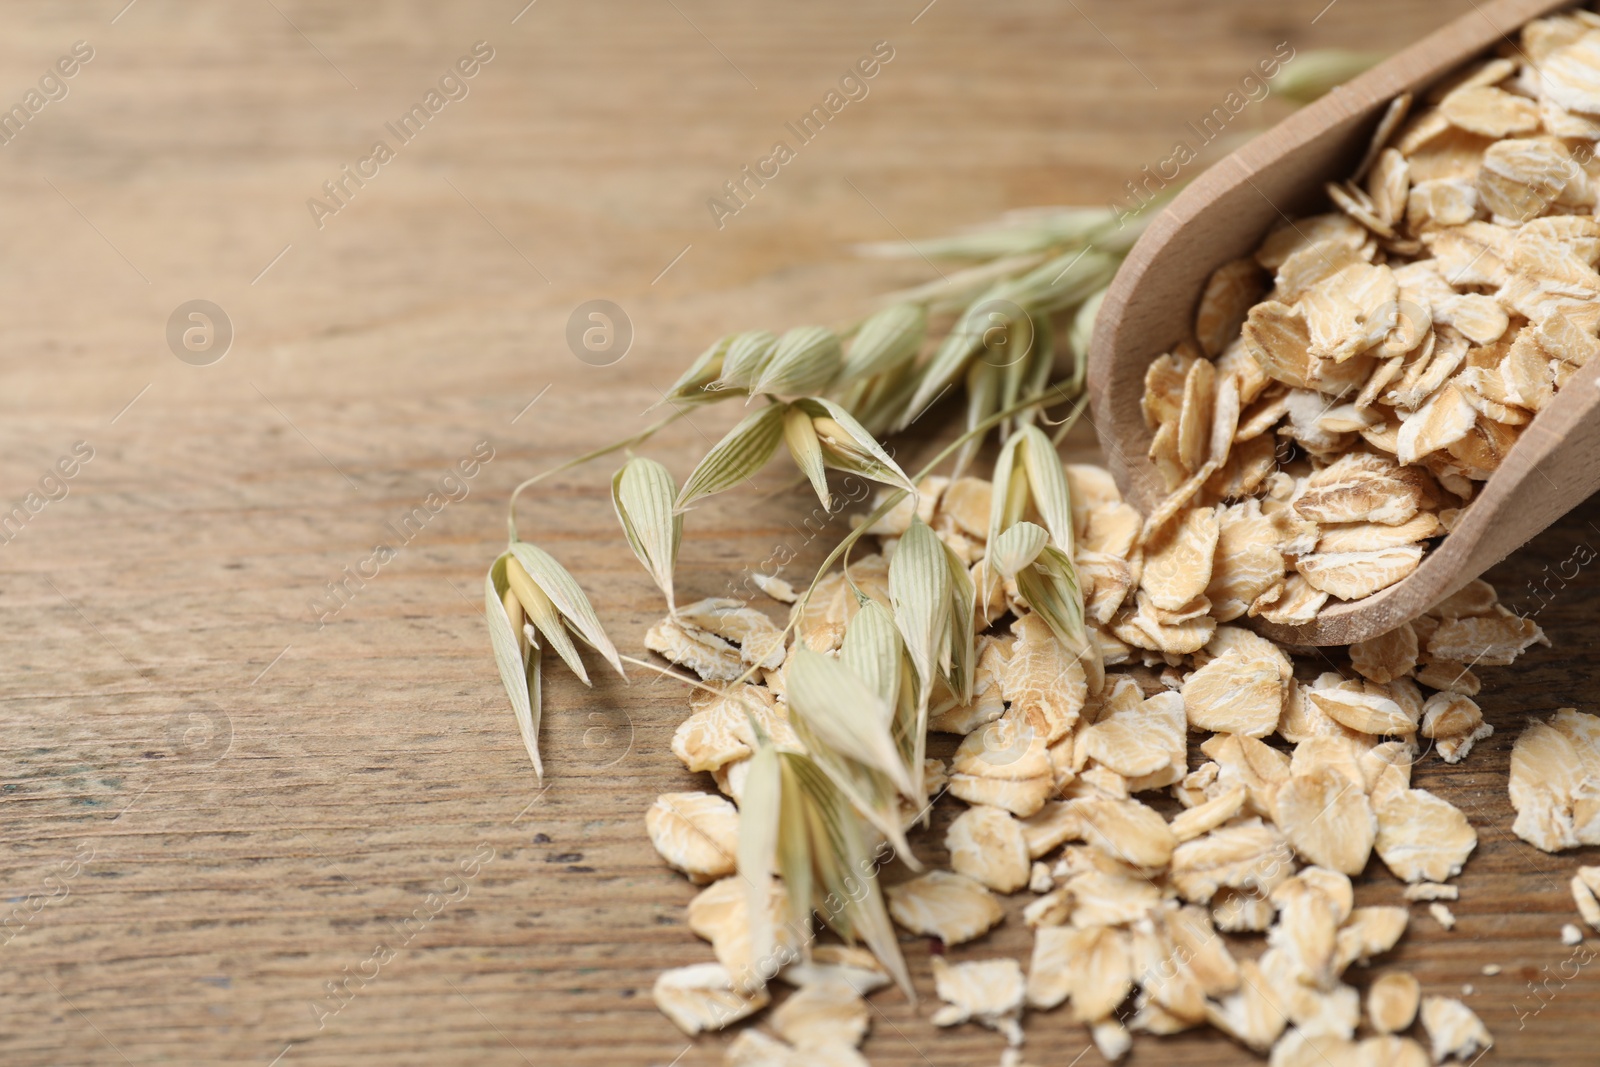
[(1224, 215)]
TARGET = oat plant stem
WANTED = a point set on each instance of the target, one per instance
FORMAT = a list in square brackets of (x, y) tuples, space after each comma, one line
[(577, 461)]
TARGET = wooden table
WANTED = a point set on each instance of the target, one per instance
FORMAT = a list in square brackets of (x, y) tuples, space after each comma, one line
[(223, 790)]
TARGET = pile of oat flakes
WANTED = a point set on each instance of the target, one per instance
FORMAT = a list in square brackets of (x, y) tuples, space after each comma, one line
[(1317, 433), (1128, 903), (1371, 367)]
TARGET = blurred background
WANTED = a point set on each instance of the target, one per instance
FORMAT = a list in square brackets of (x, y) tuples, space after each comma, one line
[(262, 799)]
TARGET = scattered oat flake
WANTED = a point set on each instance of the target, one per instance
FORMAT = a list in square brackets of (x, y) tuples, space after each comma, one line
[(702, 997), (709, 656), (1127, 831), (775, 587), (1586, 894), (1552, 764), (1111, 1039), (1386, 657), (987, 844), (823, 1015), (1354, 575), (1423, 837), (1431, 891), (986, 991), (759, 639), (1491, 640), (943, 904), (1328, 819), (697, 833), (753, 1048), (1177, 566), (1243, 855), (720, 914), (1235, 693), (1055, 823), (1392, 1002), (1252, 1015), (852, 965), (1369, 712), (1453, 1028), (1442, 915), (1209, 815)]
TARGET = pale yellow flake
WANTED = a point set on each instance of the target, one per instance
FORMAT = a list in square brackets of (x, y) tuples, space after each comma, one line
[(987, 991), (1489, 111), (709, 656), (696, 833), (1005, 763), (1178, 560), (1554, 766), (1353, 575), (1207, 816), (1040, 879), (776, 588), (1453, 1028), (1387, 656), (1304, 938), (1293, 603), (1111, 1039), (965, 504), (987, 844), (1449, 676), (1374, 711), (759, 640), (1043, 680), (1422, 836), (1127, 830), (1254, 1014), (719, 733), (1327, 819), (1392, 1002), (1454, 723), (1370, 931), (853, 965), (1440, 202), (1057, 822), (1224, 303), (702, 997), (1493, 640), (823, 1015), (1247, 854), (1194, 415), (1259, 767), (1111, 898), (720, 914), (1522, 178), (1089, 965), (1350, 311), (1236, 911), (1586, 894), (1426, 891), (1235, 693), (943, 904)]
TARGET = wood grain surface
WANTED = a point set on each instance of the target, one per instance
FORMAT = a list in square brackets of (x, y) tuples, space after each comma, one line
[(222, 795)]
